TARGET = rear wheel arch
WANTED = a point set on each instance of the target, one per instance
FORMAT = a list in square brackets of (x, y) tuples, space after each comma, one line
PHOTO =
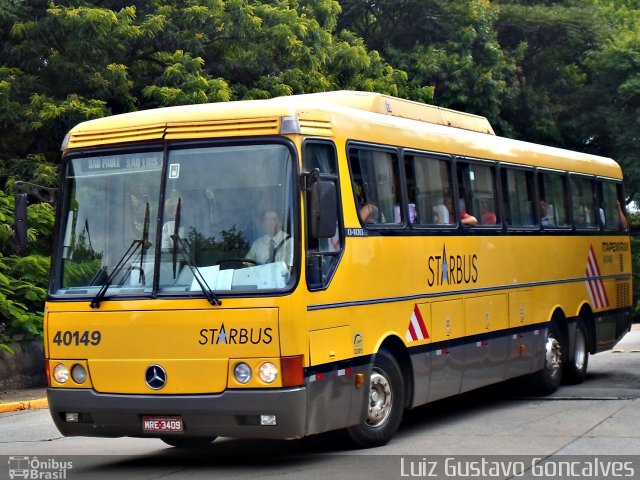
[(588, 320), (560, 320)]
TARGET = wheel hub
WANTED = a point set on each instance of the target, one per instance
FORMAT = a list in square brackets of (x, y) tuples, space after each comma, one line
[(380, 400), (554, 356)]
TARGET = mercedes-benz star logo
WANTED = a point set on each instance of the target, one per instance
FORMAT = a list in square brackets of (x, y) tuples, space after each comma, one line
[(155, 377)]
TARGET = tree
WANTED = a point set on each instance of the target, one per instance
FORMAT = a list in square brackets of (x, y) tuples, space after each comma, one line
[(448, 49), (612, 100), (555, 38), (578, 82)]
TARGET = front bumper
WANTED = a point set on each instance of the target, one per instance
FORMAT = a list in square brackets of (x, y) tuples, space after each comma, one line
[(229, 414)]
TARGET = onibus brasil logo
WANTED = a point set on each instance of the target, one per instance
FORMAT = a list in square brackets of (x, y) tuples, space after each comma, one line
[(37, 469)]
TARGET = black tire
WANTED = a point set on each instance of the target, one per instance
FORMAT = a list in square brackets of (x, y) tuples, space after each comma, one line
[(187, 442), (385, 405), (575, 367), (548, 379)]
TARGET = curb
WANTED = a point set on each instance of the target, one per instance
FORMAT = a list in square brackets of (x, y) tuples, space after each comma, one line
[(25, 405)]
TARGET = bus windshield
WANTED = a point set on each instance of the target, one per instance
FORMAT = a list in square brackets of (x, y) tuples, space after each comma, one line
[(215, 218)]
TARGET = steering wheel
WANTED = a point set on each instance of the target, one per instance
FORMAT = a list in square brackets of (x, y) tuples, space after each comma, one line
[(240, 262)]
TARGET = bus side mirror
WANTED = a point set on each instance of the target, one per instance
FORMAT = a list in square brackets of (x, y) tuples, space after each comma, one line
[(22, 189), (20, 220), (324, 208)]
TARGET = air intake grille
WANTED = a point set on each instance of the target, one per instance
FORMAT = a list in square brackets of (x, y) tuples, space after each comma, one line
[(223, 128), (120, 135), (623, 294)]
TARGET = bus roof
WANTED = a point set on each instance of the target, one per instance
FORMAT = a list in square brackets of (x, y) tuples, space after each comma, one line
[(329, 114)]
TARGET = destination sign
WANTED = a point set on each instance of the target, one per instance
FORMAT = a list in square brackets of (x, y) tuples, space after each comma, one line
[(135, 162)]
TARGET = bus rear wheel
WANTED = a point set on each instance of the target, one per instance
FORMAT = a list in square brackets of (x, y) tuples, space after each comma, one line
[(188, 442), (575, 369), (548, 379), (385, 404)]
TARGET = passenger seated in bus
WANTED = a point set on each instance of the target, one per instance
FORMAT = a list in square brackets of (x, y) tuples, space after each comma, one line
[(602, 216), (624, 224), (413, 213), (621, 220), (468, 219), (440, 214), (546, 215), (275, 245), (369, 213), (488, 216), (465, 217)]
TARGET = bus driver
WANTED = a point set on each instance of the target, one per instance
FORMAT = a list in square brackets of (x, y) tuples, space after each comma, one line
[(275, 245)]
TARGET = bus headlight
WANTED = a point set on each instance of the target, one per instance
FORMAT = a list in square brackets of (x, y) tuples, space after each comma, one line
[(242, 372), (268, 372), (60, 373), (79, 374)]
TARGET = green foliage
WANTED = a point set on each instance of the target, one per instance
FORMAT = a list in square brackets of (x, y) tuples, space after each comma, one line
[(23, 279), (449, 50), (183, 82), (614, 91), (554, 39)]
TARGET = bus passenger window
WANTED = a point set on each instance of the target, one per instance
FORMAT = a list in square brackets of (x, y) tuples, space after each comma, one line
[(517, 188), (583, 196), (322, 253), (553, 209), (376, 186), (610, 211), (476, 183), (429, 182)]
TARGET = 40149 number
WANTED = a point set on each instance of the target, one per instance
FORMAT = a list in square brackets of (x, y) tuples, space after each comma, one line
[(77, 338)]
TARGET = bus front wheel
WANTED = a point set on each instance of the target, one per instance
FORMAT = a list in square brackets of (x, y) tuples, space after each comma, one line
[(385, 404)]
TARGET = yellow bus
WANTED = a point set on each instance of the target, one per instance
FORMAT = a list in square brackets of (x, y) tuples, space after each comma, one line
[(284, 267)]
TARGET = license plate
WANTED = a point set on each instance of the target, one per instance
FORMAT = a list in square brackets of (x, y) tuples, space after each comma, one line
[(161, 424)]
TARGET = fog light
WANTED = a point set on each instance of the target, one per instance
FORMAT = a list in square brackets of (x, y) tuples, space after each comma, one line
[(71, 417), (242, 372), (60, 373), (268, 372), (268, 420), (79, 374)]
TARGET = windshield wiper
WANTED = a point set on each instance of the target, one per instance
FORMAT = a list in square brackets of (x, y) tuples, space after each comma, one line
[(145, 242), (133, 248), (181, 246), (131, 251)]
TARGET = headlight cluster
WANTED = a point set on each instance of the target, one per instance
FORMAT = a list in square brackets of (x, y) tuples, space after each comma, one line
[(78, 373), (267, 372), (243, 373)]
